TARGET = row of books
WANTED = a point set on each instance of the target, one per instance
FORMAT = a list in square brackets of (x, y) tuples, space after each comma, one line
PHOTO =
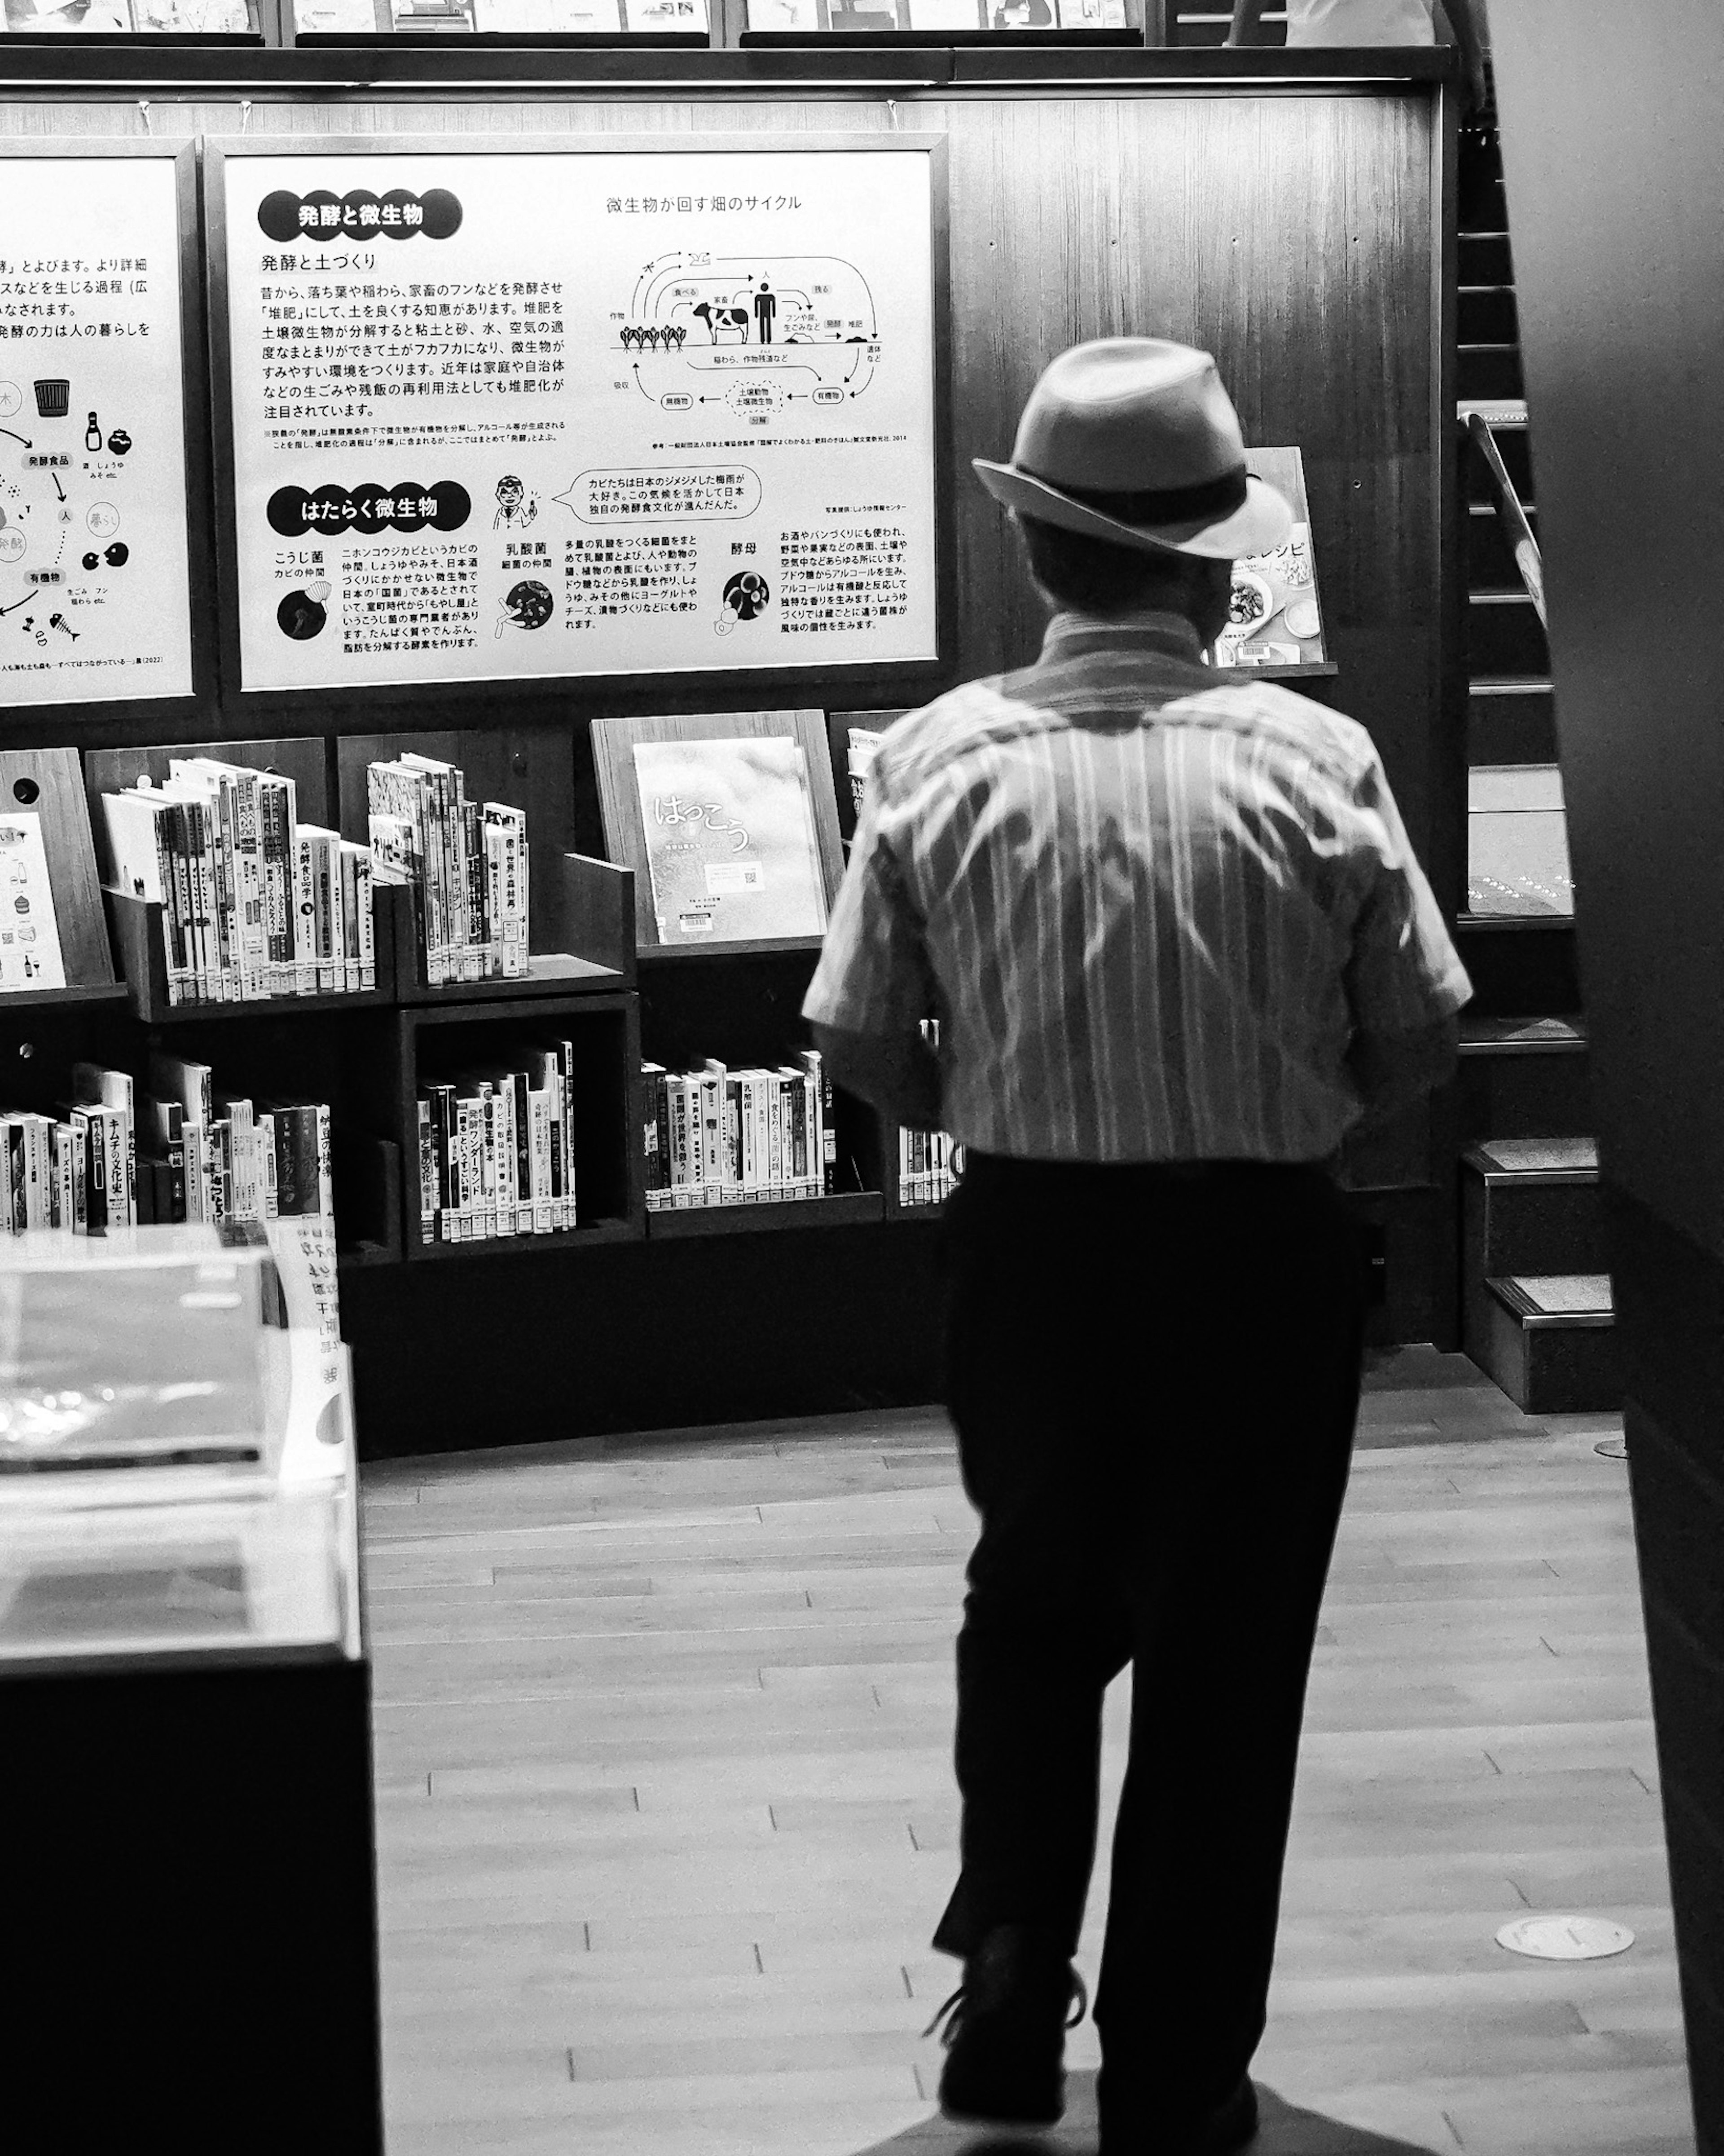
[(466, 861), (497, 1149), (929, 1162), (105, 1159), (214, 1156), (722, 1137), (255, 903), (77, 1168)]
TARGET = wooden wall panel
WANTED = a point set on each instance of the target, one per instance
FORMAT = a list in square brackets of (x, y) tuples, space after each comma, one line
[(1294, 236)]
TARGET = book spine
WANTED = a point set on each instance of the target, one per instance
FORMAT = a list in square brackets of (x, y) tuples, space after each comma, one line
[(322, 1139), (364, 908), (566, 1070), (275, 798), (326, 856), (494, 943), (347, 951), (427, 1169), (443, 1138), (775, 1136), (63, 1160), (176, 907), (520, 1123), (18, 1176), (476, 951), (264, 1154), (249, 852), (304, 917)]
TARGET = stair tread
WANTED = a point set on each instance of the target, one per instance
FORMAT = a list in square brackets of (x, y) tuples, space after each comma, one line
[(1535, 1156), (1521, 1036), (1576, 1298), (1495, 411), (1511, 684)]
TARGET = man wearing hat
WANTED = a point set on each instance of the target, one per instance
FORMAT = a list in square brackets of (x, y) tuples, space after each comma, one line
[(1179, 946)]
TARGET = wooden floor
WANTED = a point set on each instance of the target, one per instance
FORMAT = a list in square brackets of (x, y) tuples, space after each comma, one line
[(665, 1811)]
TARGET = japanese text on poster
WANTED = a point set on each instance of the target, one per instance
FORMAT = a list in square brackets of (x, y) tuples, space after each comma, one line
[(94, 594), (512, 416)]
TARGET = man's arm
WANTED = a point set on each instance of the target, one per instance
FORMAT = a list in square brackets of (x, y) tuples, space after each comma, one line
[(1247, 21), (895, 1073), (1391, 1070)]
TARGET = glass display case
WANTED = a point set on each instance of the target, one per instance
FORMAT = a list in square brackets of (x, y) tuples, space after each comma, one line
[(176, 1464)]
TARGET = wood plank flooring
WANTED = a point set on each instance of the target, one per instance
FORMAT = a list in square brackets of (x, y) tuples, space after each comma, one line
[(665, 1814)]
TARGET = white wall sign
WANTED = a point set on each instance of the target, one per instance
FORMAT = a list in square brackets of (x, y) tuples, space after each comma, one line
[(95, 593), (512, 416)]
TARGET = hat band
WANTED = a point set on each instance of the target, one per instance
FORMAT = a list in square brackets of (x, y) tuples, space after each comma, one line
[(1167, 505)]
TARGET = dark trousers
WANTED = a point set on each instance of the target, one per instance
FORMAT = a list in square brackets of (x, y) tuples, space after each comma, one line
[(1154, 1375)]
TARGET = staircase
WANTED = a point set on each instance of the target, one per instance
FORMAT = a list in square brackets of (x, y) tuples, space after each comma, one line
[(1537, 1311)]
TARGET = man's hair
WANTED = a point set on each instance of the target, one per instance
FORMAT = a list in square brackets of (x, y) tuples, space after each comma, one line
[(1096, 577)]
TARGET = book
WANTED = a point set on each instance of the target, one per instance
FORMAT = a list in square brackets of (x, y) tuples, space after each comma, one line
[(722, 1135), (465, 862), (497, 1147), (929, 1163), (730, 843), (253, 906)]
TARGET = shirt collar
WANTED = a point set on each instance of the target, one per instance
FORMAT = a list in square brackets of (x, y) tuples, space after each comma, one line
[(1146, 629)]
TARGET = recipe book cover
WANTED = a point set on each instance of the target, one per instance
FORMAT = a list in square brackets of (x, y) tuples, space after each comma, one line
[(730, 838), (1276, 618)]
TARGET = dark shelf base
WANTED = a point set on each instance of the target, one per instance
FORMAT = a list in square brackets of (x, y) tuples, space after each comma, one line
[(844, 1210)]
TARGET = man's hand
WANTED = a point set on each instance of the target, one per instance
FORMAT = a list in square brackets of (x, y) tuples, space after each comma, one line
[(896, 1074)]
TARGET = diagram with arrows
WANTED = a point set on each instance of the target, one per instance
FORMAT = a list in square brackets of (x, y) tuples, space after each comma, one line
[(755, 333)]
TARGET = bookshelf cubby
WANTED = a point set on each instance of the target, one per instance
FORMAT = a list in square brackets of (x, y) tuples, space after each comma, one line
[(427, 1044)]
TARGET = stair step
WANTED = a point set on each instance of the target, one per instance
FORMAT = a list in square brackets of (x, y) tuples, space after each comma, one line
[(1583, 1302), (1542, 1160), (1505, 636), (1488, 314), (1495, 411), (1517, 842), (1481, 1035), (1550, 1341), (1485, 258), (1511, 719), (1520, 963), (1532, 1223), (1490, 564), (1490, 371)]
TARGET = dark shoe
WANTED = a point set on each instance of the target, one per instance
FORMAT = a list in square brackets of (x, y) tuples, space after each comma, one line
[(1004, 2033), (1230, 2126)]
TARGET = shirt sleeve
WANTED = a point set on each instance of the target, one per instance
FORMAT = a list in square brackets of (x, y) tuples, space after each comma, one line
[(873, 977), (1405, 973)]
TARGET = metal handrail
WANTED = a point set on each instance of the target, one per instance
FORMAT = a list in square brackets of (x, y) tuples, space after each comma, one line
[(1511, 514)]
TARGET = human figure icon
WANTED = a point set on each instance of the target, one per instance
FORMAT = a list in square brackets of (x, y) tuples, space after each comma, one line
[(766, 305), (515, 507)]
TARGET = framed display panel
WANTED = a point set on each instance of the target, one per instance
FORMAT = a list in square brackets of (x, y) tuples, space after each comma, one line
[(103, 476), (721, 815), (682, 421)]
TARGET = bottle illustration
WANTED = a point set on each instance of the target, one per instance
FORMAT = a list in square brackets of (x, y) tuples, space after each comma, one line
[(92, 434)]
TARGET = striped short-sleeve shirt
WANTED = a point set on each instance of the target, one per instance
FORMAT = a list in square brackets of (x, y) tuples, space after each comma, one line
[(1149, 911)]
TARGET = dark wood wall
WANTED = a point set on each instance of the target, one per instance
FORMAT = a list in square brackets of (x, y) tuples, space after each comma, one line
[(1296, 235), (1616, 192)]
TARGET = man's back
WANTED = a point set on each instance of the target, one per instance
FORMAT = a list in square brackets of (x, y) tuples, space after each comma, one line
[(1150, 909)]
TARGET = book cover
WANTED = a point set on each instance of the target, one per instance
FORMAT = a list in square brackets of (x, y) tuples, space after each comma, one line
[(730, 843), (30, 956)]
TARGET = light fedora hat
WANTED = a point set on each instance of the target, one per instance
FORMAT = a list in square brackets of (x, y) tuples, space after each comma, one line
[(1134, 441)]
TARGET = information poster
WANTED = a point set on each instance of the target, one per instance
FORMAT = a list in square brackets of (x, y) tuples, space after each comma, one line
[(512, 416), (94, 592)]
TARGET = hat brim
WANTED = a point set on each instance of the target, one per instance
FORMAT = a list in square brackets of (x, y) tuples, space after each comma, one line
[(1258, 525)]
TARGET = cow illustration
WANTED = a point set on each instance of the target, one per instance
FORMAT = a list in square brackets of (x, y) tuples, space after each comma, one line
[(722, 320)]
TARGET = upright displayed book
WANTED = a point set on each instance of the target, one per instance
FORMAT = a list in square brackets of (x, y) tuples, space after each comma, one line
[(466, 861), (723, 1135), (51, 932), (731, 839), (254, 904), (496, 1147), (1276, 618)]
